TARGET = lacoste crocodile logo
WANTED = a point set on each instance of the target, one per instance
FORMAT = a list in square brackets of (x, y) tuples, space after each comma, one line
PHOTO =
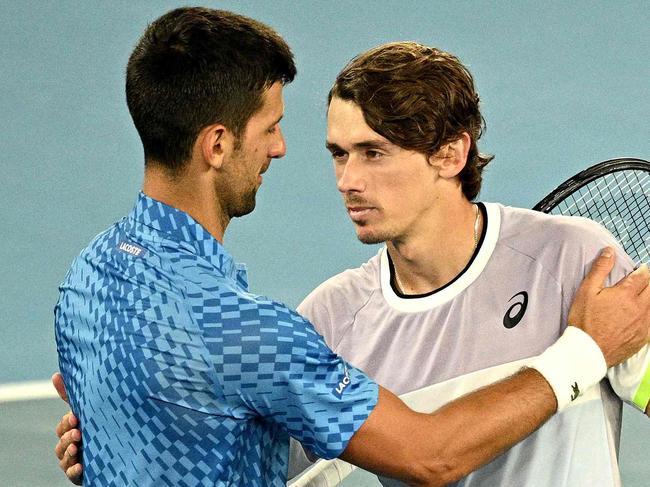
[(515, 313), (576, 391)]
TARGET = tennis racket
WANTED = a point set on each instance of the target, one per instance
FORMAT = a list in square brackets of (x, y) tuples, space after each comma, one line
[(614, 193)]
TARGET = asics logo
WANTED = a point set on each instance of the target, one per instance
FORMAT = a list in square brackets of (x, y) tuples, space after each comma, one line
[(515, 313)]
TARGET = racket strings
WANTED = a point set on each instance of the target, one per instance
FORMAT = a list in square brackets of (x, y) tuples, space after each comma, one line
[(621, 202)]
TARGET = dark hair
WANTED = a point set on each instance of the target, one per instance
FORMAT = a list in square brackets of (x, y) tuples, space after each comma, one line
[(418, 98), (194, 67)]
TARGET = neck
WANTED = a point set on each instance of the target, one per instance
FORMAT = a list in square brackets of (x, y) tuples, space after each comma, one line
[(187, 193), (437, 251)]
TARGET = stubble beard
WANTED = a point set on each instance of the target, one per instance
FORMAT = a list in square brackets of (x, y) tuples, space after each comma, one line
[(237, 205), (368, 238), (372, 238), (245, 204)]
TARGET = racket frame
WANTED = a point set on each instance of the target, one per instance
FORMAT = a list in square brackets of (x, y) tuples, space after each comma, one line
[(586, 176)]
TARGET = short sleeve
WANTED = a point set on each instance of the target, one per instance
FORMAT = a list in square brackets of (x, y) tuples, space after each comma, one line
[(274, 362), (631, 379), (315, 309)]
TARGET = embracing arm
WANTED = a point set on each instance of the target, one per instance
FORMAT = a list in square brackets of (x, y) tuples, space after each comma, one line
[(444, 446), (447, 445)]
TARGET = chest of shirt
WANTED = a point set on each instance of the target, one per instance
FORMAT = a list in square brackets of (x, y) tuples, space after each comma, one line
[(510, 312)]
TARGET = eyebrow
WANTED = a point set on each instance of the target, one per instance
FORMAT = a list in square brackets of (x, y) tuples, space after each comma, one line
[(364, 144), (277, 120)]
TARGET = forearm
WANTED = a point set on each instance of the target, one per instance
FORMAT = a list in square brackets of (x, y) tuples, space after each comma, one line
[(473, 430), (442, 447), (458, 438)]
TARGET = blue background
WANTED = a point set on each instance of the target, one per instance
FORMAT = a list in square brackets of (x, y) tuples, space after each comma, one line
[(563, 85)]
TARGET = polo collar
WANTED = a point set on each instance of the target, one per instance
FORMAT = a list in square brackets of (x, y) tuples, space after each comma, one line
[(190, 234)]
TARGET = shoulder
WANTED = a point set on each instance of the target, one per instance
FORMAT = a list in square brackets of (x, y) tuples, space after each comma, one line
[(564, 245), (136, 264), (540, 231), (516, 221), (347, 290)]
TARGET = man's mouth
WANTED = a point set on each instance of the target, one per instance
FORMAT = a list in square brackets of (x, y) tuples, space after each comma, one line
[(262, 171), (359, 213)]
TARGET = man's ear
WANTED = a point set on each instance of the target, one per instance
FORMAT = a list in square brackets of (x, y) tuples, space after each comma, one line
[(215, 143), (452, 157)]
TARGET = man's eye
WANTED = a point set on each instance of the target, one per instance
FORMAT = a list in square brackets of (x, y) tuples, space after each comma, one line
[(373, 154), (272, 130)]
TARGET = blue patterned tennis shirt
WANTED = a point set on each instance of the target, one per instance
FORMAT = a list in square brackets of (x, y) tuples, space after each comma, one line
[(180, 376)]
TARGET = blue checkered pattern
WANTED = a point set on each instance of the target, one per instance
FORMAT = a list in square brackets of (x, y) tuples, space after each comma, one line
[(180, 376)]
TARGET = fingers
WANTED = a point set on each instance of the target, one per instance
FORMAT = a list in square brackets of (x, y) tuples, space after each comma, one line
[(600, 269), (644, 297), (71, 466), (67, 445), (69, 460), (637, 280), (68, 421), (66, 449), (645, 292), (57, 382), (69, 457), (74, 474)]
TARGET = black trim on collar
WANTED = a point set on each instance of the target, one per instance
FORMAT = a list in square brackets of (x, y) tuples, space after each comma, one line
[(397, 292)]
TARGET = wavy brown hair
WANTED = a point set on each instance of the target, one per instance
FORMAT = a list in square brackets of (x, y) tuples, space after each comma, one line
[(418, 98)]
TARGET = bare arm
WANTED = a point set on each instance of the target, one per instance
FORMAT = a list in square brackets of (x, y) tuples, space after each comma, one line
[(447, 445)]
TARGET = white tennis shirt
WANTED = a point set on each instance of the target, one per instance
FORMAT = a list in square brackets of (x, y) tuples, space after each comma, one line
[(508, 305)]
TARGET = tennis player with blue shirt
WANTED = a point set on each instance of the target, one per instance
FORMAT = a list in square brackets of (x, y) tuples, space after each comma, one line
[(180, 376)]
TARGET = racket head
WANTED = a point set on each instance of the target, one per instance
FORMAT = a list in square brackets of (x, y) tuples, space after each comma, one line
[(616, 194)]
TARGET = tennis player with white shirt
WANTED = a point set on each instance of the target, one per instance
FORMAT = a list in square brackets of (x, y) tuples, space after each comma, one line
[(463, 293), (400, 199)]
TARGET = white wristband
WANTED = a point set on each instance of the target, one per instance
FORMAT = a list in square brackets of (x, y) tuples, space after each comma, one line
[(571, 365)]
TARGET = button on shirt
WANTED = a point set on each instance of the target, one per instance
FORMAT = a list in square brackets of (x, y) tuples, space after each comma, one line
[(180, 376)]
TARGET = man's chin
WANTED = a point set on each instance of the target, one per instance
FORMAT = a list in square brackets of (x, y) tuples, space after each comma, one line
[(370, 238), (244, 209)]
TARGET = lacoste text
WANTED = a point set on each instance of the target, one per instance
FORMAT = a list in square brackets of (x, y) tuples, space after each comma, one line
[(130, 248)]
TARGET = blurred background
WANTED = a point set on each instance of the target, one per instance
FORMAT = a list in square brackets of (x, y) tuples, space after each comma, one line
[(563, 85)]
